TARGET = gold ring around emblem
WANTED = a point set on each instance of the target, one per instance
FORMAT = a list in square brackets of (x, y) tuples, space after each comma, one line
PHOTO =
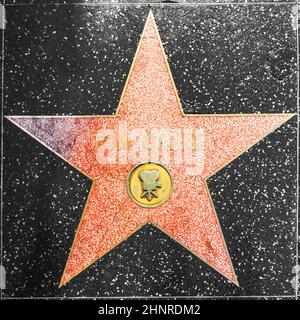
[(149, 184)]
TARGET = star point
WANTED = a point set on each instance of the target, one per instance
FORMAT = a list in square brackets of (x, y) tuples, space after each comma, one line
[(149, 103)]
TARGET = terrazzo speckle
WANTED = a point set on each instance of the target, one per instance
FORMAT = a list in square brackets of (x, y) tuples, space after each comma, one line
[(44, 197), (219, 62), (116, 2)]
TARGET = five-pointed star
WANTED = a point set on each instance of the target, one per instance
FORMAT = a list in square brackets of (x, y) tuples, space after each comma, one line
[(149, 100)]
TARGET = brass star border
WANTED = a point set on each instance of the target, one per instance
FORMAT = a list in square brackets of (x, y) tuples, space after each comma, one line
[(188, 217)]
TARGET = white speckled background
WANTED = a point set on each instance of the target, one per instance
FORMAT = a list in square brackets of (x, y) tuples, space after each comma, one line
[(74, 59)]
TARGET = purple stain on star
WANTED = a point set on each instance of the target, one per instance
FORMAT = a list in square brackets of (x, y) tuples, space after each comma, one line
[(56, 133)]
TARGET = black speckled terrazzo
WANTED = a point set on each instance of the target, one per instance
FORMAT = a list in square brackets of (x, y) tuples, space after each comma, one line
[(165, 2), (220, 57), (74, 59)]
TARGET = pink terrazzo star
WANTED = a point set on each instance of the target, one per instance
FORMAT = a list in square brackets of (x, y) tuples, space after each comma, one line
[(149, 101)]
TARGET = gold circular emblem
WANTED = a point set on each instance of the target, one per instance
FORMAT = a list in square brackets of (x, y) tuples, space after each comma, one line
[(149, 184)]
